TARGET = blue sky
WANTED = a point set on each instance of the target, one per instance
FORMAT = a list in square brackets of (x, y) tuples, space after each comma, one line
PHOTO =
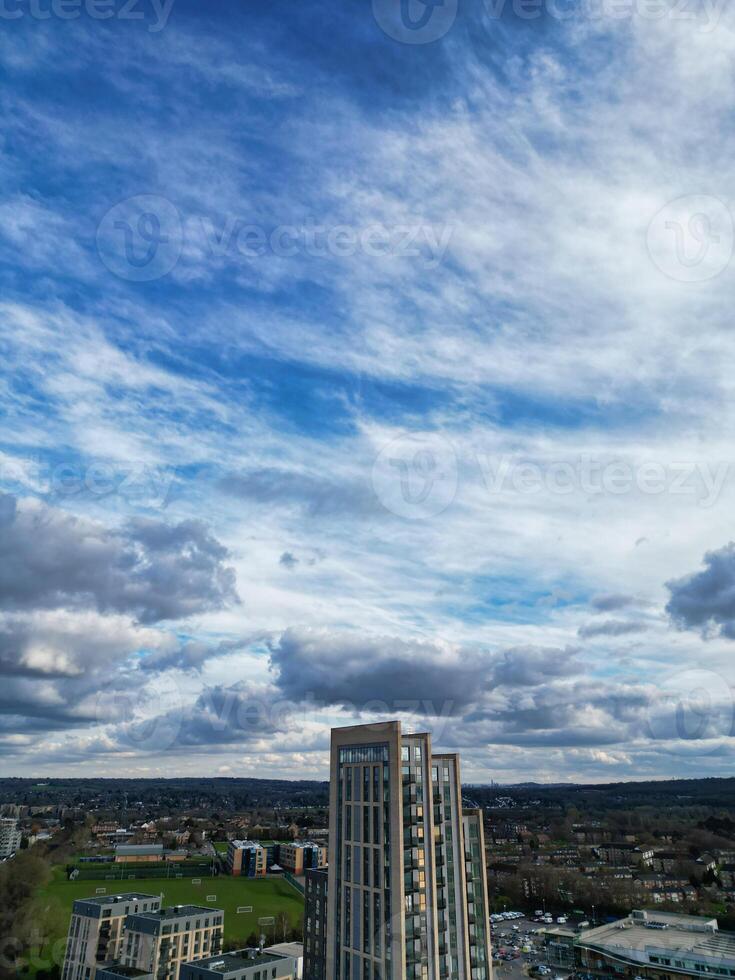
[(360, 362)]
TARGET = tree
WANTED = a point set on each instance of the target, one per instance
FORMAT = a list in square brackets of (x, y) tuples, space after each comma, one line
[(283, 923)]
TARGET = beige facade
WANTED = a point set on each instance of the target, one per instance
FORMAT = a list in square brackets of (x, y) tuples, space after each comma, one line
[(299, 856), (247, 858), (407, 893), (96, 931), (160, 942)]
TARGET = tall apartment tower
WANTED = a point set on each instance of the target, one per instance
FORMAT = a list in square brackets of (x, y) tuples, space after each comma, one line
[(96, 931), (404, 900)]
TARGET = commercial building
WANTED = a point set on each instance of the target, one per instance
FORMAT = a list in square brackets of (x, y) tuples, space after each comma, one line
[(316, 886), (247, 858), (10, 837), (656, 946), (145, 853), (96, 931), (245, 964), (160, 941), (407, 892), (299, 856)]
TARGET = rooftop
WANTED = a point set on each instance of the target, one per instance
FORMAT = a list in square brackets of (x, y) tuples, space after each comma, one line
[(287, 949), (120, 970), (176, 912), (238, 960), (114, 899), (641, 934)]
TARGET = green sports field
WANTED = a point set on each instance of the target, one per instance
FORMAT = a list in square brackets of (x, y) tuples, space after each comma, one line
[(268, 897)]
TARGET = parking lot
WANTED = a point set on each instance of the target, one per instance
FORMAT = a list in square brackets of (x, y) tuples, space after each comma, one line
[(517, 947)]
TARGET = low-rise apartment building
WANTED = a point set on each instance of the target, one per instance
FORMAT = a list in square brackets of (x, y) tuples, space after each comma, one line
[(116, 971), (621, 853), (96, 931), (300, 855), (160, 942), (246, 858), (244, 964)]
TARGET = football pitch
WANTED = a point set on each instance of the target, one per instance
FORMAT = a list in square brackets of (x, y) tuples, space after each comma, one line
[(267, 896)]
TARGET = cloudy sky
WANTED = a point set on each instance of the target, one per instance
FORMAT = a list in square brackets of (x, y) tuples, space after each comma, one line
[(367, 361)]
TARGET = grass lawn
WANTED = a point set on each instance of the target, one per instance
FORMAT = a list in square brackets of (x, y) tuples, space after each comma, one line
[(220, 846), (268, 897)]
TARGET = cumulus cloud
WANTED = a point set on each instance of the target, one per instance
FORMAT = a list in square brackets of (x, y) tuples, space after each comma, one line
[(530, 666), (149, 569), (562, 714), (377, 672), (705, 600), (222, 715)]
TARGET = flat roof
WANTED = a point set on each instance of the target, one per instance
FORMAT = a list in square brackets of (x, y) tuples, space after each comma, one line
[(120, 970), (176, 912), (688, 935), (287, 949), (121, 897), (237, 960)]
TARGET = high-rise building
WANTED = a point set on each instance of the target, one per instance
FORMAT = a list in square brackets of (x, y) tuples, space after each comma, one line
[(159, 942), (478, 909), (316, 887), (407, 891), (9, 837), (96, 931)]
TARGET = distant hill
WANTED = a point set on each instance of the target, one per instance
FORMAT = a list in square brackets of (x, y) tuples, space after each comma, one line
[(239, 793)]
